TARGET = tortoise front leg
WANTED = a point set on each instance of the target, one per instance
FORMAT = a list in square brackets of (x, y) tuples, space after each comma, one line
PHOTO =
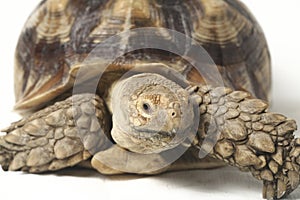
[(59, 136), (237, 129)]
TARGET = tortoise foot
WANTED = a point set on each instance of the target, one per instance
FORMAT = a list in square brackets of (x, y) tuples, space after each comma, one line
[(245, 135), (59, 136), (287, 180)]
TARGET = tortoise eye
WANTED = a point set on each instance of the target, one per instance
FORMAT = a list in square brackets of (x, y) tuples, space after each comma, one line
[(146, 107)]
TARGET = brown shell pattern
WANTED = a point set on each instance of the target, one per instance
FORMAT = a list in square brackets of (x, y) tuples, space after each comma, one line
[(61, 33)]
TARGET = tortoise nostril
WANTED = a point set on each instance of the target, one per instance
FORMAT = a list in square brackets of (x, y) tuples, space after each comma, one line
[(173, 114)]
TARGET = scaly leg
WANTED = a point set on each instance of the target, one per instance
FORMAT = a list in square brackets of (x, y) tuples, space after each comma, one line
[(59, 136), (237, 129)]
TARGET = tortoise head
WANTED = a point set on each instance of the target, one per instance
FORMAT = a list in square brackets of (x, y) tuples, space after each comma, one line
[(151, 113)]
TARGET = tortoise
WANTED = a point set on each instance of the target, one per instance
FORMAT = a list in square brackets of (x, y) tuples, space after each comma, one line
[(162, 116)]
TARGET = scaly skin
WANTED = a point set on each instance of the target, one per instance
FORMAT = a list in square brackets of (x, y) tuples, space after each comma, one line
[(234, 127), (243, 134), (56, 137)]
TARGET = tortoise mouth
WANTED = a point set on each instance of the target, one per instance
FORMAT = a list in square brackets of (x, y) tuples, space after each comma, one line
[(145, 134), (144, 142)]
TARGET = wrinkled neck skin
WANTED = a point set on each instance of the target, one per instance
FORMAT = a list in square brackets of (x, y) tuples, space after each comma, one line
[(151, 114)]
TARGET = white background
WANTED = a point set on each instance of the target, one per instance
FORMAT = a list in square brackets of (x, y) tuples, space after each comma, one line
[(280, 21)]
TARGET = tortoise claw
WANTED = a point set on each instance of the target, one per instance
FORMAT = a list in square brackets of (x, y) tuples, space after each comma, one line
[(282, 186)]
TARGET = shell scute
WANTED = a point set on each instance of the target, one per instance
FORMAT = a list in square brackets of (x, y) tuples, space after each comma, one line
[(59, 35)]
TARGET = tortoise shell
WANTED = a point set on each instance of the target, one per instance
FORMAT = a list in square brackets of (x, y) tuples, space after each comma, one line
[(61, 33)]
